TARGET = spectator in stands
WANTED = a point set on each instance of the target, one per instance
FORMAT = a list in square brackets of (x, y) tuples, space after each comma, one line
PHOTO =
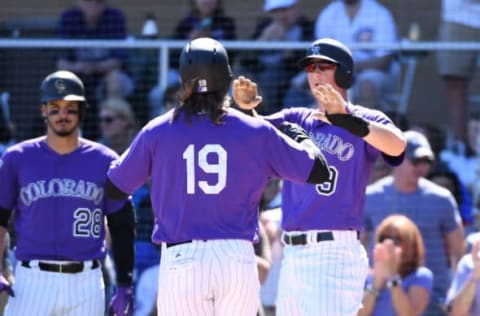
[(143, 65), (448, 179), (464, 294), (205, 19), (430, 206), (117, 124), (101, 69), (273, 69), (399, 283), (364, 22), (170, 99), (466, 165), (459, 22)]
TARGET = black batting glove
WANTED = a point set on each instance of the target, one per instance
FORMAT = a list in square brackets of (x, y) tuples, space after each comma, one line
[(354, 124), (294, 131)]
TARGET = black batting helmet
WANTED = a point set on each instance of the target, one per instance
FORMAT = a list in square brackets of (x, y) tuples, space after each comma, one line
[(204, 63), (63, 85), (333, 51)]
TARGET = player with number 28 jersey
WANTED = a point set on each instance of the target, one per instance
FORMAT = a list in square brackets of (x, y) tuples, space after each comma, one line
[(64, 191), (54, 185)]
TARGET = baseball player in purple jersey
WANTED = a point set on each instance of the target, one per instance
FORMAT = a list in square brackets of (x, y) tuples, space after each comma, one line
[(54, 184), (324, 267), (208, 165)]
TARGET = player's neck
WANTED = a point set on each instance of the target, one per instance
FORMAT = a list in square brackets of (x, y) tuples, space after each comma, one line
[(405, 185), (63, 145)]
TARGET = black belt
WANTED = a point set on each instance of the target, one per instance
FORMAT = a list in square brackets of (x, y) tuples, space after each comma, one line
[(302, 239), (74, 267), (172, 244)]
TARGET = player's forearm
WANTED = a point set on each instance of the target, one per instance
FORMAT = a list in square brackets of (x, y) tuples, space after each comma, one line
[(114, 193), (122, 230), (386, 139), (3, 241)]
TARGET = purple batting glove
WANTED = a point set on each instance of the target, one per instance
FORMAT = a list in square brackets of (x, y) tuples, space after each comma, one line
[(122, 302), (5, 286)]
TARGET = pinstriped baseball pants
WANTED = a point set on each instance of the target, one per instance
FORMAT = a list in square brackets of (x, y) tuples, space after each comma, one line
[(51, 293), (323, 278), (206, 278)]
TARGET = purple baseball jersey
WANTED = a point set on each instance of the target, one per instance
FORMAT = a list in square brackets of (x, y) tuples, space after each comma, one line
[(206, 179), (58, 199), (336, 204)]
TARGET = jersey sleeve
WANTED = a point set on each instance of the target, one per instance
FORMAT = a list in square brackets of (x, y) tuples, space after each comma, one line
[(293, 115), (132, 169), (8, 180), (287, 158)]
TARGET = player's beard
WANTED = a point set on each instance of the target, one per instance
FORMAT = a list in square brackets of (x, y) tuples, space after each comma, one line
[(67, 129)]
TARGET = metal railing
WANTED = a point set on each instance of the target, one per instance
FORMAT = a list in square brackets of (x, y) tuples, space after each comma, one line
[(406, 48)]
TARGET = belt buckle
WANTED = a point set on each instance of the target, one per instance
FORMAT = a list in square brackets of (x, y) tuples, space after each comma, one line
[(60, 268), (288, 239), (311, 238)]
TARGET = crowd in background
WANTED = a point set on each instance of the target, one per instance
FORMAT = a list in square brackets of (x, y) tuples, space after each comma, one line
[(437, 188)]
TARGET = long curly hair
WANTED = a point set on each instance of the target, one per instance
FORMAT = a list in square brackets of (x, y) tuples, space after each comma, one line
[(213, 104)]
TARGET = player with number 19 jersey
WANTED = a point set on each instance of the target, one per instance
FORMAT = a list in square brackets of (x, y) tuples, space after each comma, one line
[(206, 179), (63, 190)]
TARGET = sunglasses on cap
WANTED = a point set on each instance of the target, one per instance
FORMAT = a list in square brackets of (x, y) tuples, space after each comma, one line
[(320, 66), (396, 240)]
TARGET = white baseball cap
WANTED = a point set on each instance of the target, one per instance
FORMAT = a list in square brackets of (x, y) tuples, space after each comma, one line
[(278, 4)]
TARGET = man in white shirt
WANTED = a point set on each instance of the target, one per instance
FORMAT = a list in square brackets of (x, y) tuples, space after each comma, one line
[(358, 22)]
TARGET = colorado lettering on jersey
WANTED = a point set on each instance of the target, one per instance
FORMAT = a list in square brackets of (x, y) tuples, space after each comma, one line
[(61, 187), (334, 145)]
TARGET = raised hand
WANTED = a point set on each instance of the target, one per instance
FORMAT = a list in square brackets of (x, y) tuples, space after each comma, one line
[(245, 93), (331, 100), (387, 259)]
